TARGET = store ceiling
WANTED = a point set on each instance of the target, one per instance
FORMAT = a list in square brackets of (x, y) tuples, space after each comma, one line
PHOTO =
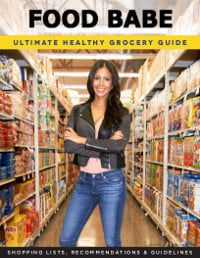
[(100, 7), (71, 65)]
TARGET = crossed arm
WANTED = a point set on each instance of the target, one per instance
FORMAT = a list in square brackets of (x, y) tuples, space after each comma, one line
[(90, 147)]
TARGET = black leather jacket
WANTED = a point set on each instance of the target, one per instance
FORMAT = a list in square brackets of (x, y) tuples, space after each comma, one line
[(110, 152)]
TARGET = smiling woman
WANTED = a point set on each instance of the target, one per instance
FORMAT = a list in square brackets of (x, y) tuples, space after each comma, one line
[(97, 133)]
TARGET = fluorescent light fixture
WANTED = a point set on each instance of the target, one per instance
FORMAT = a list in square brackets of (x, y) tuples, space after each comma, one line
[(84, 95), (74, 87), (85, 74), (75, 56), (80, 96)]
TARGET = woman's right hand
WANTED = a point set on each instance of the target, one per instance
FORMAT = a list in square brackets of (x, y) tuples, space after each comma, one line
[(118, 135)]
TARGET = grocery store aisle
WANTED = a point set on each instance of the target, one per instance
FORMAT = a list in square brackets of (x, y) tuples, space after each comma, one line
[(138, 230)]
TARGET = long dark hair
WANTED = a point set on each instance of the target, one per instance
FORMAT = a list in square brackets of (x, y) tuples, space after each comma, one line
[(114, 109)]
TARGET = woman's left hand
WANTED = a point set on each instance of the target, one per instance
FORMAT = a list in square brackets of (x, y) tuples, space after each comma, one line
[(71, 135)]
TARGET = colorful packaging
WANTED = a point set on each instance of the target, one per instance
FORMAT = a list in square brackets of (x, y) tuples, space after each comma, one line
[(194, 195), (15, 232), (196, 154), (191, 237), (195, 114), (188, 151)]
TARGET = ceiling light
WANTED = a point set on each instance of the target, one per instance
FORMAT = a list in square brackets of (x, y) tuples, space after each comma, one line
[(75, 87), (75, 56), (85, 74), (79, 96)]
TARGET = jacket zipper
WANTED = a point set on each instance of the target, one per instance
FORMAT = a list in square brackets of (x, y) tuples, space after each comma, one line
[(109, 166), (97, 147)]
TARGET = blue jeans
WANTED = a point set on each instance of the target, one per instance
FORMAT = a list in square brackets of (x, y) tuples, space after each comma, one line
[(105, 189)]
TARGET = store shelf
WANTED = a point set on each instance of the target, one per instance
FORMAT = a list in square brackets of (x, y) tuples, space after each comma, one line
[(162, 73), (138, 138), (24, 146), (155, 137), (128, 187), (184, 208), (4, 182), (137, 199), (9, 86), (158, 222), (62, 163), (61, 101), (196, 91), (47, 217), (155, 162), (29, 241), (138, 180), (154, 115), (138, 151), (46, 148), (153, 216), (25, 198), (61, 150), (4, 116), (70, 188), (47, 167), (138, 165), (7, 150), (184, 131), (24, 120), (156, 189), (184, 167), (171, 237), (7, 218), (24, 174), (62, 178)]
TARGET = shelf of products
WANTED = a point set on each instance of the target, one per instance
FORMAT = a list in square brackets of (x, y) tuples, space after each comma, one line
[(168, 188), (34, 173)]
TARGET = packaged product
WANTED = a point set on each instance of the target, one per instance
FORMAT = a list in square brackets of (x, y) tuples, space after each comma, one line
[(28, 205), (183, 225), (159, 178), (183, 188), (188, 151), (187, 114), (191, 237), (171, 214), (194, 80), (177, 117), (31, 222), (197, 238), (176, 151), (195, 114), (15, 73), (170, 183), (194, 195), (183, 193), (196, 154), (15, 232), (160, 151)]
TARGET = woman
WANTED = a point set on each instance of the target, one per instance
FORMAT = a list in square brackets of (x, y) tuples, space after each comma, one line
[(97, 133)]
